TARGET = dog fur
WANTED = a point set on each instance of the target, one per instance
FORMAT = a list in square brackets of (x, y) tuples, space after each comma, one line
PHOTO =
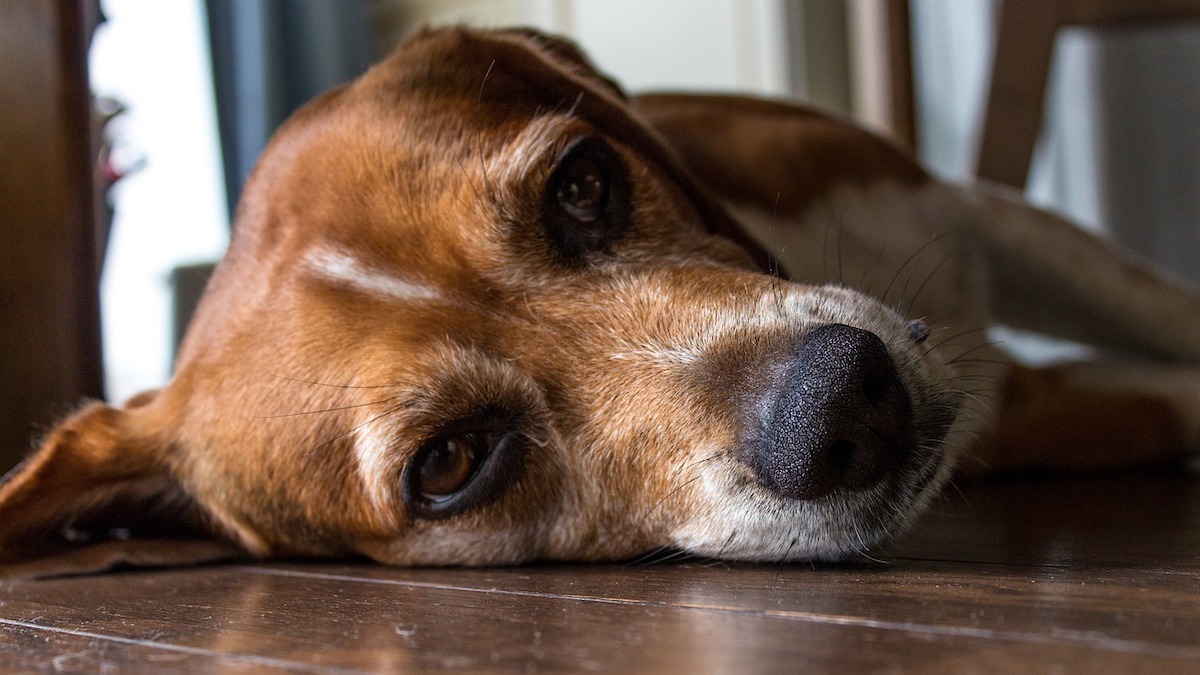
[(481, 307)]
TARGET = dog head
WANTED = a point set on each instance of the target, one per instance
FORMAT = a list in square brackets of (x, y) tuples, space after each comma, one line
[(477, 311)]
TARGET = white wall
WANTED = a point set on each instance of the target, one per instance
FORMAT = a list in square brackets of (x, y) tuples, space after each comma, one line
[(691, 44), (153, 57), (726, 45)]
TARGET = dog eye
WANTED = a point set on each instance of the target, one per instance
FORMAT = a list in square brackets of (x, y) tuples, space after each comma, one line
[(445, 467), (582, 189), (462, 471), (587, 204)]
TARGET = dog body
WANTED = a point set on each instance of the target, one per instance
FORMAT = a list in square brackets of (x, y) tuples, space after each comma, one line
[(482, 308)]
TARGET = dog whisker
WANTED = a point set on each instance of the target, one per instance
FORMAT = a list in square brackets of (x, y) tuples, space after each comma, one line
[(495, 202), (783, 559), (912, 260), (725, 546), (983, 345), (467, 176), (483, 82), (679, 555), (575, 106), (326, 410), (670, 494), (862, 547), (774, 252), (865, 552), (702, 460), (656, 556), (333, 385), (841, 277), (834, 222), (912, 301), (947, 340), (981, 379), (391, 411), (868, 276), (980, 361), (641, 561), (980, 399)]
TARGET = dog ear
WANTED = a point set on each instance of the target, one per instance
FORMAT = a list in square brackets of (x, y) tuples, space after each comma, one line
[(776, 155), (99, 494), (567, 55)]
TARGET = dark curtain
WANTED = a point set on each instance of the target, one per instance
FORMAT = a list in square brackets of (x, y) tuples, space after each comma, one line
[(269, 58)]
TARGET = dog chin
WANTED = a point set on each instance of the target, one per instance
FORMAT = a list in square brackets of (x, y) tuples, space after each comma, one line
[(839, 527)]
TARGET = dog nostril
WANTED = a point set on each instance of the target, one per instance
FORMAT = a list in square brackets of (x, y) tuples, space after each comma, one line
[(859, 464), (876, 385), (841, 457)]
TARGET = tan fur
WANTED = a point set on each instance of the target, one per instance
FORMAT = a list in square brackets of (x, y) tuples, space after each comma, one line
[(392, 283)]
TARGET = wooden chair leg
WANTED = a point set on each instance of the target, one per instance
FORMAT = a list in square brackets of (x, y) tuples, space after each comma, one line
[(1016, 97), (904, 105)]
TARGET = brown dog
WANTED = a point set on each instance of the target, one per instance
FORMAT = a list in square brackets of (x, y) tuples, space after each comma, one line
[(482, 308)]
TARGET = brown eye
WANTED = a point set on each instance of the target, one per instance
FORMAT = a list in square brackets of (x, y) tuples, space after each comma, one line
[(463, 470), (448, 466), (587, 204), (582, 189)]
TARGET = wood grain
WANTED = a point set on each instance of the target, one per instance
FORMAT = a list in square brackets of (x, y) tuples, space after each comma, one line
[(1093, 575)]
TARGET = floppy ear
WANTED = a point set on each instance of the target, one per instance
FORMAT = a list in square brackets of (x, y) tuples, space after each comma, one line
[(569, 56), (776, 155), (98, 494)]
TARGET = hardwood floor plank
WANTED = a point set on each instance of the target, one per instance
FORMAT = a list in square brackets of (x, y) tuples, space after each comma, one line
[(1088, 575), (1110, 609), (33, 648), (345, 624)]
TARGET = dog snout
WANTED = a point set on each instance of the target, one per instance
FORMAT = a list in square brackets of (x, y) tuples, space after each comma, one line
[(841, 418)]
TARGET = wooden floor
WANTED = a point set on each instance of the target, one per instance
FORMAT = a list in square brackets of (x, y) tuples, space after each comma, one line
[(1086, 575)]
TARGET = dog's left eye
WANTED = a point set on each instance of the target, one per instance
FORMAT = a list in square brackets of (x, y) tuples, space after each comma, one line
[(446, 466), (462, 471), (587, 204)]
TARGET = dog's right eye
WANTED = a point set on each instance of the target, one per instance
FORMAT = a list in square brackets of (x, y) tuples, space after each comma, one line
[(586, 205)]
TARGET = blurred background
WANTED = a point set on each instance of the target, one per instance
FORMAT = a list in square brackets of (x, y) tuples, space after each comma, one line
[(1091, 106)]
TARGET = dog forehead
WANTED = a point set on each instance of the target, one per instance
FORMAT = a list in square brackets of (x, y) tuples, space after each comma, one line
[(490, 68)]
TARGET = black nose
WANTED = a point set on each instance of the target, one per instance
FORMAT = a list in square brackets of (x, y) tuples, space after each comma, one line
[(840, 420)]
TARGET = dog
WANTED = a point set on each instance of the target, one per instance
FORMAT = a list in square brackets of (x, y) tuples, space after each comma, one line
[(483, 307)]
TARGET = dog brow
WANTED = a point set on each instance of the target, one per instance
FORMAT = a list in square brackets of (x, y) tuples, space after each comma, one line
[(344, 269), (535, 143)]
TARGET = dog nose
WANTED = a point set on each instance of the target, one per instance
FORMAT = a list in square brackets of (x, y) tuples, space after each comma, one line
[(841, 419)]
